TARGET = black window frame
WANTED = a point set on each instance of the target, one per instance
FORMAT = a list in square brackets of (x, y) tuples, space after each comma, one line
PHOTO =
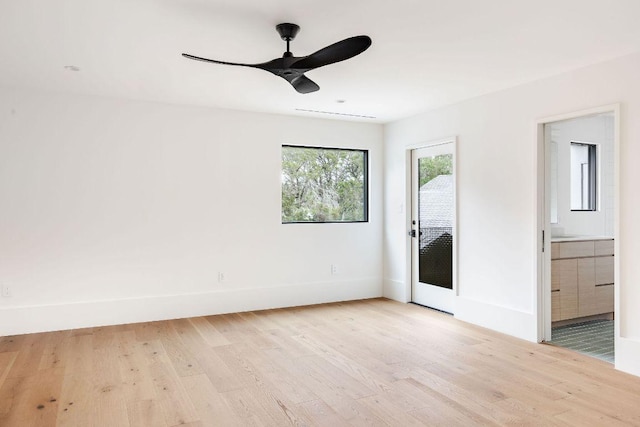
[(365, 184), (592, 178)]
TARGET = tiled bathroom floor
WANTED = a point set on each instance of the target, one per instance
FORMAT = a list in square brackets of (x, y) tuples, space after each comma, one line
[(593, 338)]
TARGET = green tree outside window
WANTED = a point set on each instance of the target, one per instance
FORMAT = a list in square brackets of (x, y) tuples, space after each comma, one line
[(323, 185)]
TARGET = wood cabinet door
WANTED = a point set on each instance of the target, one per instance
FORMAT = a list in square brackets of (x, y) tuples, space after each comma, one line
[(582, 279), (604, 284), (604, 298), (564, 277), (604, 270), (604, 247), (555, 306), (587, 287)]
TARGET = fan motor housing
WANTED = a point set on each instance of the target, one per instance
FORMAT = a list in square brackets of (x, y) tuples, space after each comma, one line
[(287, 31)]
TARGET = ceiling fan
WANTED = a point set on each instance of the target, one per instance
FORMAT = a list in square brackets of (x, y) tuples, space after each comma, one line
[(292, 68)]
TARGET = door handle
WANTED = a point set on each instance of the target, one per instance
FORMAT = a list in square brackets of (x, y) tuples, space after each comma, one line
[(412, 233)]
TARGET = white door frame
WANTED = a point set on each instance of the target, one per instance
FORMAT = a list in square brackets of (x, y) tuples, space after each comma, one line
[(543, 244), (409, 212)]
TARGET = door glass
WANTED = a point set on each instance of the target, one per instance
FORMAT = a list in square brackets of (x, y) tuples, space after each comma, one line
[(435, 217)]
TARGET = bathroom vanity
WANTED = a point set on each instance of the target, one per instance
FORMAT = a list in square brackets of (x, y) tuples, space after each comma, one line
[(582, 278)]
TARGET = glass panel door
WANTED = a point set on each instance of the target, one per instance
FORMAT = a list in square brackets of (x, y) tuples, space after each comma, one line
[(434, 217)]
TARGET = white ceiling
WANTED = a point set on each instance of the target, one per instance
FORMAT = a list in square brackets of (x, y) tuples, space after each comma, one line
[(425, 53)]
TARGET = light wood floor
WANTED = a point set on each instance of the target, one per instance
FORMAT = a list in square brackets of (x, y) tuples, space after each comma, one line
[(373, 362)]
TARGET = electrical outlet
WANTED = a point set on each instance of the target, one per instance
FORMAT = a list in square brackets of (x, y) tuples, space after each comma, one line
[(6, 291), (334, 269), (221, 277)]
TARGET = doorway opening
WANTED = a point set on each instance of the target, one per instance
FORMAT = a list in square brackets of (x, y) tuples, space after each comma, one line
[(433, 231), (578, 249)]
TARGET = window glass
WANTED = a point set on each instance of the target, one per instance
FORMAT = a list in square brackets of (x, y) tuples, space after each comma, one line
[(583, 177), (324, 185)]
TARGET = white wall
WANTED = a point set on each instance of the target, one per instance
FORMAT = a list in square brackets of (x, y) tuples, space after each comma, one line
[(498, 193), (114, 211), (596, 129)]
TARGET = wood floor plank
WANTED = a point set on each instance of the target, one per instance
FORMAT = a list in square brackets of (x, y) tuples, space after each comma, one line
[(274, 368), (54, 352), (149, 331), (283, 319), (78, 354), (260, 320), (135, 375), (231, 326), (332, 376), (33, 399), (388, 413), (333, 341), (352, 367), (321, 413), (182, 356), (220, 365), (77, 398), (12, 343), (605, 400), (237, 328), (370, 362), (238, 358), (172, 396), (584, 415), (28, 360), (481, 403), (92, 391), (145, 413), (332, 391), (208, 332), (211, 406), (253, 403), (7, 360)]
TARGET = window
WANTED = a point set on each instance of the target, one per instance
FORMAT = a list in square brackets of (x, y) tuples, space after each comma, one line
[(324, 185), (583, 177)]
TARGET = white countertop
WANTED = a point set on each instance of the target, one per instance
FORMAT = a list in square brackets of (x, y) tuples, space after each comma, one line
[(576, 238)]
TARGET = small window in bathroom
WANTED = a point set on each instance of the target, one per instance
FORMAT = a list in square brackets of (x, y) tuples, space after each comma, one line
[(583, 177)]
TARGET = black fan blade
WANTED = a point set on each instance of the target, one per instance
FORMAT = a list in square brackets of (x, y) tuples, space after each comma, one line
[(303, 84), (278, 66), (197, 58), (274, 66), (345, 49)]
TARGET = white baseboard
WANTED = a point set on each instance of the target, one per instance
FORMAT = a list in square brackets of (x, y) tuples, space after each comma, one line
[(55, 317), (628, 355), (509, 321), (502, 319), (396, 290)]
